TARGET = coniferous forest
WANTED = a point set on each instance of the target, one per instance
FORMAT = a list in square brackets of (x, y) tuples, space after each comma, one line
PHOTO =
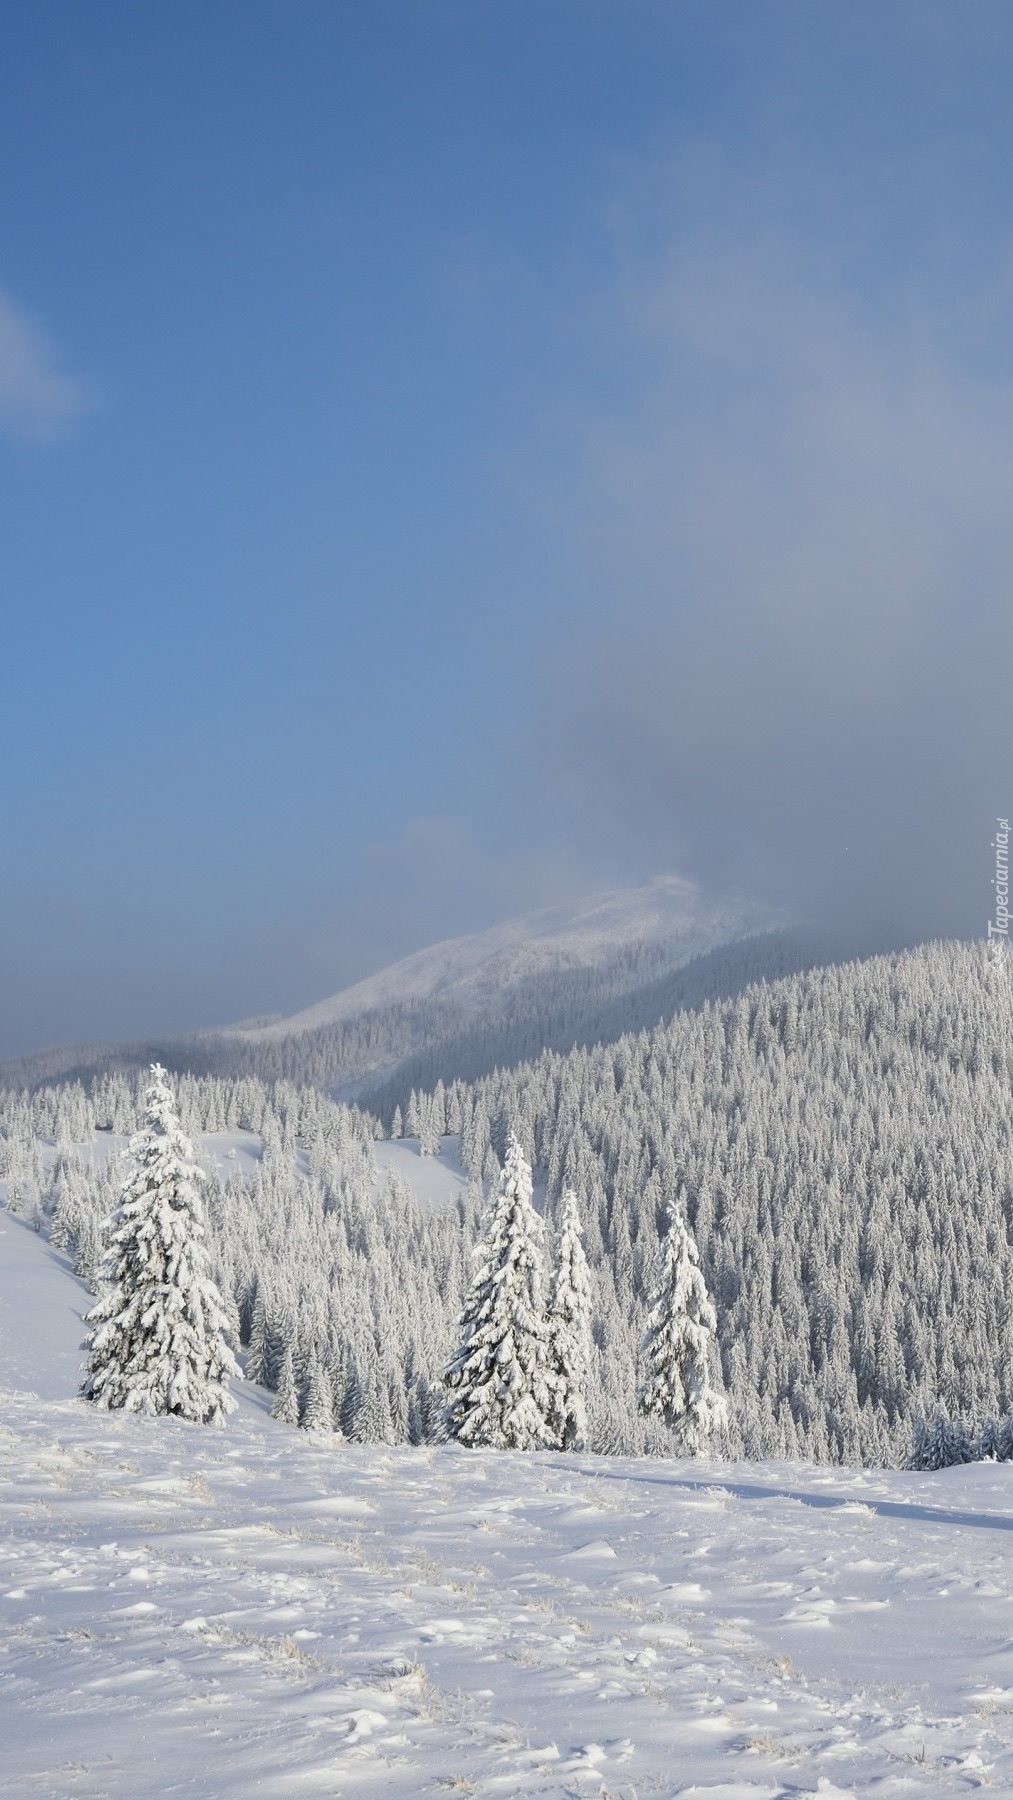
[(838, 1142)]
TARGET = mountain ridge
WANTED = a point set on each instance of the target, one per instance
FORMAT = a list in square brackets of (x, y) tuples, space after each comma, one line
[(551, 974), (668, 909)]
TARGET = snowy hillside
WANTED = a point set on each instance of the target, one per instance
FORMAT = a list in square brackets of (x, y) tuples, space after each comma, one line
[(472, 972), (209, 1613), (841, 1141), (553, 978)]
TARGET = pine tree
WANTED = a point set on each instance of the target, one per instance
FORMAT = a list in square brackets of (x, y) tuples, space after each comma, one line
[(570, 1329), (374, 1424), (940, 1443), (88, 1253), (676, 1350), (430, 1124), (317, 1412), (351, 1406), (157, 1342), (286, 1405), (501, 1383), (258, 1358)]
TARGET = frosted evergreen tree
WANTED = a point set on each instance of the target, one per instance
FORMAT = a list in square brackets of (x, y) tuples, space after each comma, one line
[(157, 1340), (995, 1441), (431, 1122), (570, 1329), (88, 1252), (374, 1424), (286, 1404), (317, 1412), (501, 1384), (676, 1350), (351, 1405), (940, 1442), (257, 1361)]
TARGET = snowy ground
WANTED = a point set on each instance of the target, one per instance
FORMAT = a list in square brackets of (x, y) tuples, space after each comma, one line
[(435, 1180), (189, 1612)]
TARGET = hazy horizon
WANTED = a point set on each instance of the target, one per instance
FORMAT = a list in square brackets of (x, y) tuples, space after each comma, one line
[(454, 462)]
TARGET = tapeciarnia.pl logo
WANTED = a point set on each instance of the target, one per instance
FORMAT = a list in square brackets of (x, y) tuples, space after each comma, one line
[(999, 926)]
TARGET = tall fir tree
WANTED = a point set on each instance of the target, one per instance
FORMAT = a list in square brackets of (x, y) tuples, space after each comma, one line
[(677, 1347), (317, 1411), (501, 1384), (158, 1338), (940, 1443), (570, 1329), (286, 1403)]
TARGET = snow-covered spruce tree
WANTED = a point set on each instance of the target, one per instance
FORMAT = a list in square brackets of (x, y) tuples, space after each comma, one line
[(158, 1339), (317, 1412), (995, 1441), (570, 1329), (940, 1442), (677, 1346), (88, 1254), (501, 1384), (286, 1404)]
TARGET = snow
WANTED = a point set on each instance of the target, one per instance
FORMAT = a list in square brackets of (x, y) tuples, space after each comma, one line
[(185, 1611), (434, 1180), (472, 970), (221, 1152)]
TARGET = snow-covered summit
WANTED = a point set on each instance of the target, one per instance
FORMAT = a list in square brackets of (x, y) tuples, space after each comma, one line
[(583, 972), (669, 912)]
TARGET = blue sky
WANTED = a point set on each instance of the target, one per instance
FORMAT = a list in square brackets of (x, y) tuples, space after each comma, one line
[(407, 415)]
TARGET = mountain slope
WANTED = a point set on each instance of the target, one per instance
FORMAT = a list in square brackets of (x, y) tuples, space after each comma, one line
[(474, 972), (464, 1006), (471, 1004)]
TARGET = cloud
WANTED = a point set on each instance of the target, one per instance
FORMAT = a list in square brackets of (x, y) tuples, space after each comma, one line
[(437, 879), (36, 399), (794, 550)]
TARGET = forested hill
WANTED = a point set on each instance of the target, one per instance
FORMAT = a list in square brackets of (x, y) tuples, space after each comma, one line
[(842, 1140), (587, 1007)]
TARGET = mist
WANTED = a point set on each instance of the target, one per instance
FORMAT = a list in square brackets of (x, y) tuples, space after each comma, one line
[(787, 667), (463, 508)]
